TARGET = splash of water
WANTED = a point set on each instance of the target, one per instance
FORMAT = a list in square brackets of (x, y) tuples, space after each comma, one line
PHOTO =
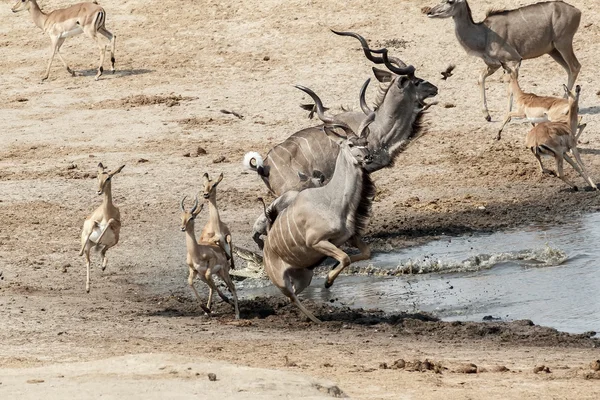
[(545, 257)]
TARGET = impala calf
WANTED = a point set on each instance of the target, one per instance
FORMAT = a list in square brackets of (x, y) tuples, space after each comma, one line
[(205, 260), (556, 139), (60, 24), (101, 229)]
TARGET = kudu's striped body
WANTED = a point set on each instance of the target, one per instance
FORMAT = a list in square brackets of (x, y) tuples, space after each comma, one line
[(319, 220), (394, 120), (88, 18), (509, 36)]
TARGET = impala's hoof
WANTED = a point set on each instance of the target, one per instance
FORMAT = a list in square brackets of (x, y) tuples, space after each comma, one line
[(328, 284)]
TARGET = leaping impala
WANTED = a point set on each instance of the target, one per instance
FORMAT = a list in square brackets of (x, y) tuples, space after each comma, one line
[(101, 229), (60, 24)]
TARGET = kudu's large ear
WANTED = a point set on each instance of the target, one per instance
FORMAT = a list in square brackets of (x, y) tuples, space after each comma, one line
[(333, 135), (383, 76), (205, 178), (101, 167), (319, 175), (302, 177)]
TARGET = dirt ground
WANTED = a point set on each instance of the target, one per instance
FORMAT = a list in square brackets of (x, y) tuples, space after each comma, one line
[(179, 63)]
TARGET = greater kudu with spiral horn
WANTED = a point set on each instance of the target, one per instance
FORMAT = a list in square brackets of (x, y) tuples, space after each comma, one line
[(509, 36), (320, 220), (395, 119)]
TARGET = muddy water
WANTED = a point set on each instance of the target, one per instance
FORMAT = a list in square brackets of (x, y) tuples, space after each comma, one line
[(548, 274)]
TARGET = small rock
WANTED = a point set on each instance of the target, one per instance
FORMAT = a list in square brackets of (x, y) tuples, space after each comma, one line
[(595, 366), (327, 365), (426, 365), (541, 368), (500, 368), (266, 58), (219, 159), (142, 160), (200, 151), (467, 369), (383, 365), (449, 105), (35, 381), (187, 155), (399, 364), (71, 166), (212, 377), (289, 363)]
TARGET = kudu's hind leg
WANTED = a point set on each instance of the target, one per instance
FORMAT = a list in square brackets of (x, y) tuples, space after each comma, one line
[(564, 48), (290, 291)]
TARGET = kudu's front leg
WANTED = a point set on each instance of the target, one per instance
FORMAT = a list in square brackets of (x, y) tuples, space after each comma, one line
[(487, 71)]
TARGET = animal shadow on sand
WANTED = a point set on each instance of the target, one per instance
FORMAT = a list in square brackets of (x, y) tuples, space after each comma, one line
[(119, 73)]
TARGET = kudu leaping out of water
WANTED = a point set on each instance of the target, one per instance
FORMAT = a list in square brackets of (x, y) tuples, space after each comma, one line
[(509, 36), (556, 139), (320, 220), (395, 119)]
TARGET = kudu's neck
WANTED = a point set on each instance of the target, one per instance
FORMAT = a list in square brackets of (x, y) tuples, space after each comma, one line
[(39, 18), (470, 35), (346, 183)]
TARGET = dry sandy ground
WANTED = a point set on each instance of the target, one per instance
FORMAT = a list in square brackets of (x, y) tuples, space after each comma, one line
[(180, 63)]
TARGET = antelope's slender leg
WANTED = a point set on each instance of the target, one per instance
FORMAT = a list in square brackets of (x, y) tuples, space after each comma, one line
[(507, 119), (227, 279), (58, 46), (92, 34), (580, 129), (539, 160), (560, 173), (581, 170), (365, 251), (109, 223), (54, 49), (112, 38), (104, 259), (87, 265), (193, 274), (485, 72)]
